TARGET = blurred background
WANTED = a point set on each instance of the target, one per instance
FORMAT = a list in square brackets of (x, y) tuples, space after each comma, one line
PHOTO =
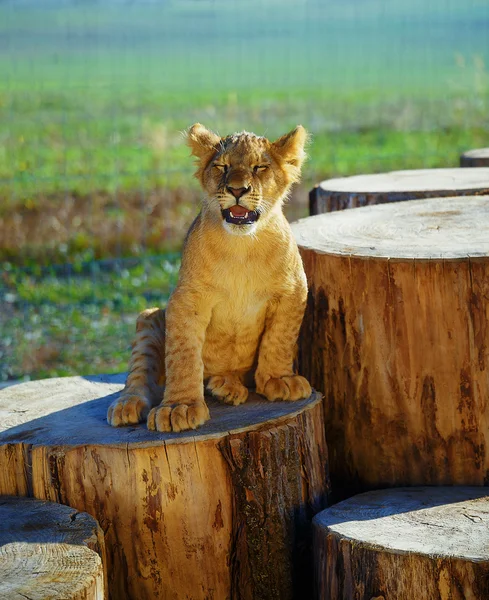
[(96, 186)]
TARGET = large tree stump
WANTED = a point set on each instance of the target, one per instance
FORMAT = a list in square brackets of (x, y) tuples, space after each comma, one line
[(475, 158), (404, 544), (396, 336), (49, 551), (221, 512), (362, 190)]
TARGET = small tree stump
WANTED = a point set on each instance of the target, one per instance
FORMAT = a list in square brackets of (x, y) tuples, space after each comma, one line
[(396, 336), (49, 551), (475, 158), (404, 544), (221, 512), (362, 190)]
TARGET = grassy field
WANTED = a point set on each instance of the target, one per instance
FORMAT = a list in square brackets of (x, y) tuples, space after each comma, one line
[(94, 97), (63, 320)]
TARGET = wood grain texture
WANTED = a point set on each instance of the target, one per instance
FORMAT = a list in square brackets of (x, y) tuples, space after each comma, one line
[(211, 513), (363, 190), (49, 551), (396, 336), (475, 158), (403, 544)]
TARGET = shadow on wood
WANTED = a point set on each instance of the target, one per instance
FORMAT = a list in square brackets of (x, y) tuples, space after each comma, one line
[(403, 544), (49, 551), (475, 158), (223, 511), (396, 336), (381, 188)]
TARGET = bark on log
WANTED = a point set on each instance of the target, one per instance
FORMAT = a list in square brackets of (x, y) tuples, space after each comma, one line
[(475, 158), (362, 190), (49, 551), (396, 336), (404, 544), (221, 512)]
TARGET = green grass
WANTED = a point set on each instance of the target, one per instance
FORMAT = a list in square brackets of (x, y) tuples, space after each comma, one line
[(94, 97), (68, 321), (93, 101)]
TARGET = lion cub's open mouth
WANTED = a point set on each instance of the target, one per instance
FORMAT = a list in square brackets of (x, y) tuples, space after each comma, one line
[(238, 215)]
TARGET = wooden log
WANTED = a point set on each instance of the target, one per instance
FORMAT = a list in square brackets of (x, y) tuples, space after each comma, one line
[(221, 512), (401, 544), (396, 336), (475, 158), (362, 190), (49, 551)]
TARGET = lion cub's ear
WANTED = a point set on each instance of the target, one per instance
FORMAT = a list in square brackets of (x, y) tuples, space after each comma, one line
[(291, 146), (202, 140)]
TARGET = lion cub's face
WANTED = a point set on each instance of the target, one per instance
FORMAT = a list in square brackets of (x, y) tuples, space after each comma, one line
[(246, 177)]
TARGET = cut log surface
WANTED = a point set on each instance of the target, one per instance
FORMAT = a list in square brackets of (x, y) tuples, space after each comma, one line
[(221, 512), (475, 158), (424, 543), (362, 190), (396, 336), (49, 551)]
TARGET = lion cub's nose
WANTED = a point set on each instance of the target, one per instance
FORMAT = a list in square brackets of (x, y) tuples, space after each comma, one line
[(237, 192)]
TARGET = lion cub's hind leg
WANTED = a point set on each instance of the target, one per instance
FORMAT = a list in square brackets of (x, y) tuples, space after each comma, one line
[(228, 388), (144, 385)]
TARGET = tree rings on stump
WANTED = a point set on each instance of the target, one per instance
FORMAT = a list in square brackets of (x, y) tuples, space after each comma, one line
[(362, 190), (403, 544), (220, 512), (49, 551), (396, 336), (475, 158)]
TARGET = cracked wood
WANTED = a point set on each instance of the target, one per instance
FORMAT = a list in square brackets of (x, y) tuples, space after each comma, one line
[(190, 514), (396, 336), (49, 551), (405, 543)]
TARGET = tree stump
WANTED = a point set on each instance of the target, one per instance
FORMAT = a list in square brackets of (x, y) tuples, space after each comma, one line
[(396, 336), (221, 512), (475, 158), (362, 190), (404, 544), (49, 551)]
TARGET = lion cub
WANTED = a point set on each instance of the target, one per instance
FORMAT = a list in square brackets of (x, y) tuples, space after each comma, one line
[(236, 311)]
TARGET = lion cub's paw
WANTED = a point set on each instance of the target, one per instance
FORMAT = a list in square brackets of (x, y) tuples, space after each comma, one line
[(178, 417), (290, 388), (130, 408), (227, 389)]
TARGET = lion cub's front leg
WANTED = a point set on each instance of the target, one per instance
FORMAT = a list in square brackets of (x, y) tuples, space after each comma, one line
[(183, 406), (275, 377)]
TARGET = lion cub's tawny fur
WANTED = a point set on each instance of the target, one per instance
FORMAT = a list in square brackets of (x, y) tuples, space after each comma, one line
[(236, 311)]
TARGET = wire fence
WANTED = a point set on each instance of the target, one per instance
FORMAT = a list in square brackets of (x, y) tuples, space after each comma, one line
[(96, 186)]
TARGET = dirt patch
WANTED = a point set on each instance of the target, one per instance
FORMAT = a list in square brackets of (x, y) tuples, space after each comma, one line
[(67, 227)]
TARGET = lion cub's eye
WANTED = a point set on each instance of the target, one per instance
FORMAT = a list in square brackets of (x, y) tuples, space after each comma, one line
[(219, 167), (260, 168)]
